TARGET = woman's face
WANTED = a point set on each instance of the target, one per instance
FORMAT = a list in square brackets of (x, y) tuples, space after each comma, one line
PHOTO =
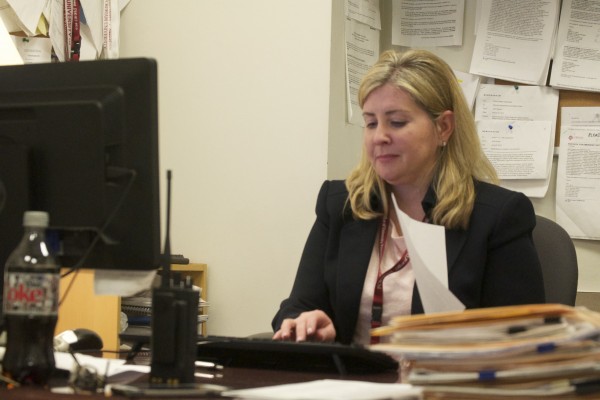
[(401, 140)]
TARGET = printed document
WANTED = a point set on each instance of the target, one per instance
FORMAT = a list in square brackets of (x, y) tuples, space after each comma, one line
[(365, 11), (578, 174), (515, 40), (513, 105), (516, 148), (362, 51), (428, 23), (469, 84), (577, 59), (34, 49)]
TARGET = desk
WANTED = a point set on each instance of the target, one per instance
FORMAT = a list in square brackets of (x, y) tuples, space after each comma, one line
[(237, 378), (240, 378)]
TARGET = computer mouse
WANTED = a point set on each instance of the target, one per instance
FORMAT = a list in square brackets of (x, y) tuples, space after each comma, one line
[(78, 340)]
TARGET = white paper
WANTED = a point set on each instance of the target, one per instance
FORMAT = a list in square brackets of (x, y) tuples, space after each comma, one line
[(88, 49), (330, 389), (33, 49), (577, 59), (9, 17), (365, 11), (57, 28), (28, 13), (122, 283), (517, 149), (93, 19), (469, 84), (362, 51), (426, 244), (9, 54), (103, 366), (578, 173), (111, 26), (428, 23), (521, 103), (123, 4), (515, 40)]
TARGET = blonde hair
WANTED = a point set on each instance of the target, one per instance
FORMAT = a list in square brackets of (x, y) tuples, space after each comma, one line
[(433, 86)]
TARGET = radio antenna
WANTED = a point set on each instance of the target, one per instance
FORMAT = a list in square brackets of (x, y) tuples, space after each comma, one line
[(166, 258)]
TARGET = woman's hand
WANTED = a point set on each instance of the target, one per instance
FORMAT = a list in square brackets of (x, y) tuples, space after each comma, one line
[(314, 326)]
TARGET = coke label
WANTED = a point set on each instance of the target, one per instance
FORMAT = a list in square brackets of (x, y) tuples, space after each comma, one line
[(31, 293)]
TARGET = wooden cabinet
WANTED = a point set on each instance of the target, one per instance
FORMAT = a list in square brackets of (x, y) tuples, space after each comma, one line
[(82, 308)]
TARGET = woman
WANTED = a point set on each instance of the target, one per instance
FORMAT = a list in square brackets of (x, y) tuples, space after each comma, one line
[(421, 147)]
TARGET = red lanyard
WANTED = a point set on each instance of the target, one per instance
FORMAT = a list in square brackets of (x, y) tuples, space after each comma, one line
[(72, 30), (377, 308)]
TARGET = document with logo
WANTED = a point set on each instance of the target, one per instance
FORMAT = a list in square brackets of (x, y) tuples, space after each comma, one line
[(578, 175)]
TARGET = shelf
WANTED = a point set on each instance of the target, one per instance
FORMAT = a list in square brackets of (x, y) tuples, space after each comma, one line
[(101, 313)]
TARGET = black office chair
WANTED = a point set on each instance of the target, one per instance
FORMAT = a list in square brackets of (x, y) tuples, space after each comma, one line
[(559, 261)]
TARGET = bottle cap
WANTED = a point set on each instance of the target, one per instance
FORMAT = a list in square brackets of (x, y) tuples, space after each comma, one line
[(36, 218)]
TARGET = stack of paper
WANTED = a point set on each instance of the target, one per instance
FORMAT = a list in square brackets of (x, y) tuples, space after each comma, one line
[(138, 310), (530, 350)]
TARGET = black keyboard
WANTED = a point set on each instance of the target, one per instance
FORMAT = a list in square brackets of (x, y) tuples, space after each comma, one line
[(305, 356)]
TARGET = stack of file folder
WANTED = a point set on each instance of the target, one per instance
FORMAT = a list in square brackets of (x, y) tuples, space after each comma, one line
[(138, 311), (527, 351)]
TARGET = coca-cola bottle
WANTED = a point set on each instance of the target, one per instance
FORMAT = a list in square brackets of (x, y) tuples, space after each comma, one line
[(31, 278)]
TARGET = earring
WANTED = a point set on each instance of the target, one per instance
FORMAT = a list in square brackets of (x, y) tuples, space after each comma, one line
[(443, 144)]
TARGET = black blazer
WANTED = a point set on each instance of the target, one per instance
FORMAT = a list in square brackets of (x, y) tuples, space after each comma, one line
[(493, 263)]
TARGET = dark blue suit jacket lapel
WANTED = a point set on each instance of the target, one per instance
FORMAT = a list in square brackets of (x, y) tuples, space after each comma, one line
[(356, 244)]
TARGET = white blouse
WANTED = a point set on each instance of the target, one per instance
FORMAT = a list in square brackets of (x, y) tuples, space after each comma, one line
[(397, 287)]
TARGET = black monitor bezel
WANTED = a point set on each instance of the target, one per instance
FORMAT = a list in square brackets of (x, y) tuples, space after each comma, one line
[(133, 83)]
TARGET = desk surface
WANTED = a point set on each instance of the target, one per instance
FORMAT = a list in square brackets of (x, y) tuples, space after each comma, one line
[(239, 378)]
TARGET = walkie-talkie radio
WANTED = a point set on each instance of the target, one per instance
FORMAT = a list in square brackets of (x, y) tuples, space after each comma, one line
[(174, 321)]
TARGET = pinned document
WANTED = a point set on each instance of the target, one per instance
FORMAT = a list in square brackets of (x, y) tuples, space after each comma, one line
[(578, 175), (515, 105)]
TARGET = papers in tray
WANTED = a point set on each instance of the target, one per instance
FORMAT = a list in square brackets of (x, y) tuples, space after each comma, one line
[(535, 350)]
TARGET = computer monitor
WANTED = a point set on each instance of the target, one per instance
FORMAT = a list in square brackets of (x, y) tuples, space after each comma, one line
[(80, 141)]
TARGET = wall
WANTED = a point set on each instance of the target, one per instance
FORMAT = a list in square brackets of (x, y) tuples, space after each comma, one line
[(243, 110), (345, 139), (248, 128)]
